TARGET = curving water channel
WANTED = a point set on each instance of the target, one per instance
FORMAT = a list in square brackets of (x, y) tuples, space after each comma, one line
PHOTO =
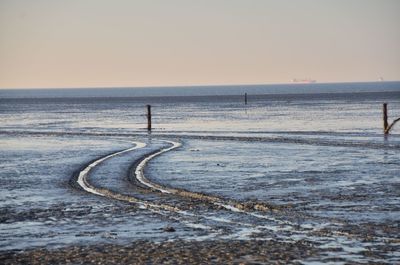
[(249, 220)]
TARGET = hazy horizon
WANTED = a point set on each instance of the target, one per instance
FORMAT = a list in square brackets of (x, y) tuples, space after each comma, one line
[(220, 90), (95, 44), (202, 85)]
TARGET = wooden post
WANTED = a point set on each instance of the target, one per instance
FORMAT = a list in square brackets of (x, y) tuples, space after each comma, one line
[(386, 126), (245, 98), (148, 117), (385, 119)]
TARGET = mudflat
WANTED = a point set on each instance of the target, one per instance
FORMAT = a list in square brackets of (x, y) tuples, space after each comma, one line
[(176, 252)]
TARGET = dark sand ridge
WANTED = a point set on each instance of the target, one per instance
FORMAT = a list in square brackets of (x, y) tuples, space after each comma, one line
[(177, 252), (202, 135)]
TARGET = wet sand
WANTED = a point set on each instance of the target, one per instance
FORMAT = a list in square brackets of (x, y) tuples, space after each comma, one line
[(177, 252), (232, 231)]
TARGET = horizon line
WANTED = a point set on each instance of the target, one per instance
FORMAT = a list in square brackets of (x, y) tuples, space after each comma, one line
[(198, 85)]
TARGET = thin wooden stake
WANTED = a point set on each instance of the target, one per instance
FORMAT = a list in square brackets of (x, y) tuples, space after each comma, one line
[(148, 117), (385, 119), (386, 126), (245, 98)]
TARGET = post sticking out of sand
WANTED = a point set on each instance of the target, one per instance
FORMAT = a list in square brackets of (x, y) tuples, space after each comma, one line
[(149, 118), (385, 118), (386, 126), (245, 98)]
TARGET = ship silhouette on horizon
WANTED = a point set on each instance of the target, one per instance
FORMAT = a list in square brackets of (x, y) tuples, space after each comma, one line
[(304, 81)]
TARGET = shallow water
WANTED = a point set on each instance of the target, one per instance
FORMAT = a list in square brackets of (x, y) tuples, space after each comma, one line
[(40, 208), (358, 184), (320, 165)]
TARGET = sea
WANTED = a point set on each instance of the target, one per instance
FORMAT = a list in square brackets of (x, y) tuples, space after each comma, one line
[(297, 162)]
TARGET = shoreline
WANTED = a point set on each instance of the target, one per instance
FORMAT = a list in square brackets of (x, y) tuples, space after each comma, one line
[(167, 252)]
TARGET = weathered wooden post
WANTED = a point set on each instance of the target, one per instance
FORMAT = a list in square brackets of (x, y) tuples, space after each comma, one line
[(385, 119), (245, 98), (149, 118), (386, 126)]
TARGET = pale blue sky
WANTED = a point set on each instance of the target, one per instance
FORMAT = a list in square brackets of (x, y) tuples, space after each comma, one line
[(99, 43)]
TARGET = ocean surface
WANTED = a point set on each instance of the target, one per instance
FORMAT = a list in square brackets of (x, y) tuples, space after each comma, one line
[(298, 162)]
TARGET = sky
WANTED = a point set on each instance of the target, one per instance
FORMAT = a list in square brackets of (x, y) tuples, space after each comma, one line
[(136, 43)]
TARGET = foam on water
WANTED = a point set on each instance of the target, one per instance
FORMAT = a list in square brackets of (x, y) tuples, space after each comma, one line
[(82, 175)]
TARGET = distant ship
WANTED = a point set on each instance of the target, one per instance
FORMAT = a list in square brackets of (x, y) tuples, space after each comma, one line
[(304, 81)]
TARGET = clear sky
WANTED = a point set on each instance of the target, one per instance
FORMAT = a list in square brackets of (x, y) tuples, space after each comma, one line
[(105, 43)]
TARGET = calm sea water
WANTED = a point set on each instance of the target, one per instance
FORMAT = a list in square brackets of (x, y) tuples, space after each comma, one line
[(316, 153)]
